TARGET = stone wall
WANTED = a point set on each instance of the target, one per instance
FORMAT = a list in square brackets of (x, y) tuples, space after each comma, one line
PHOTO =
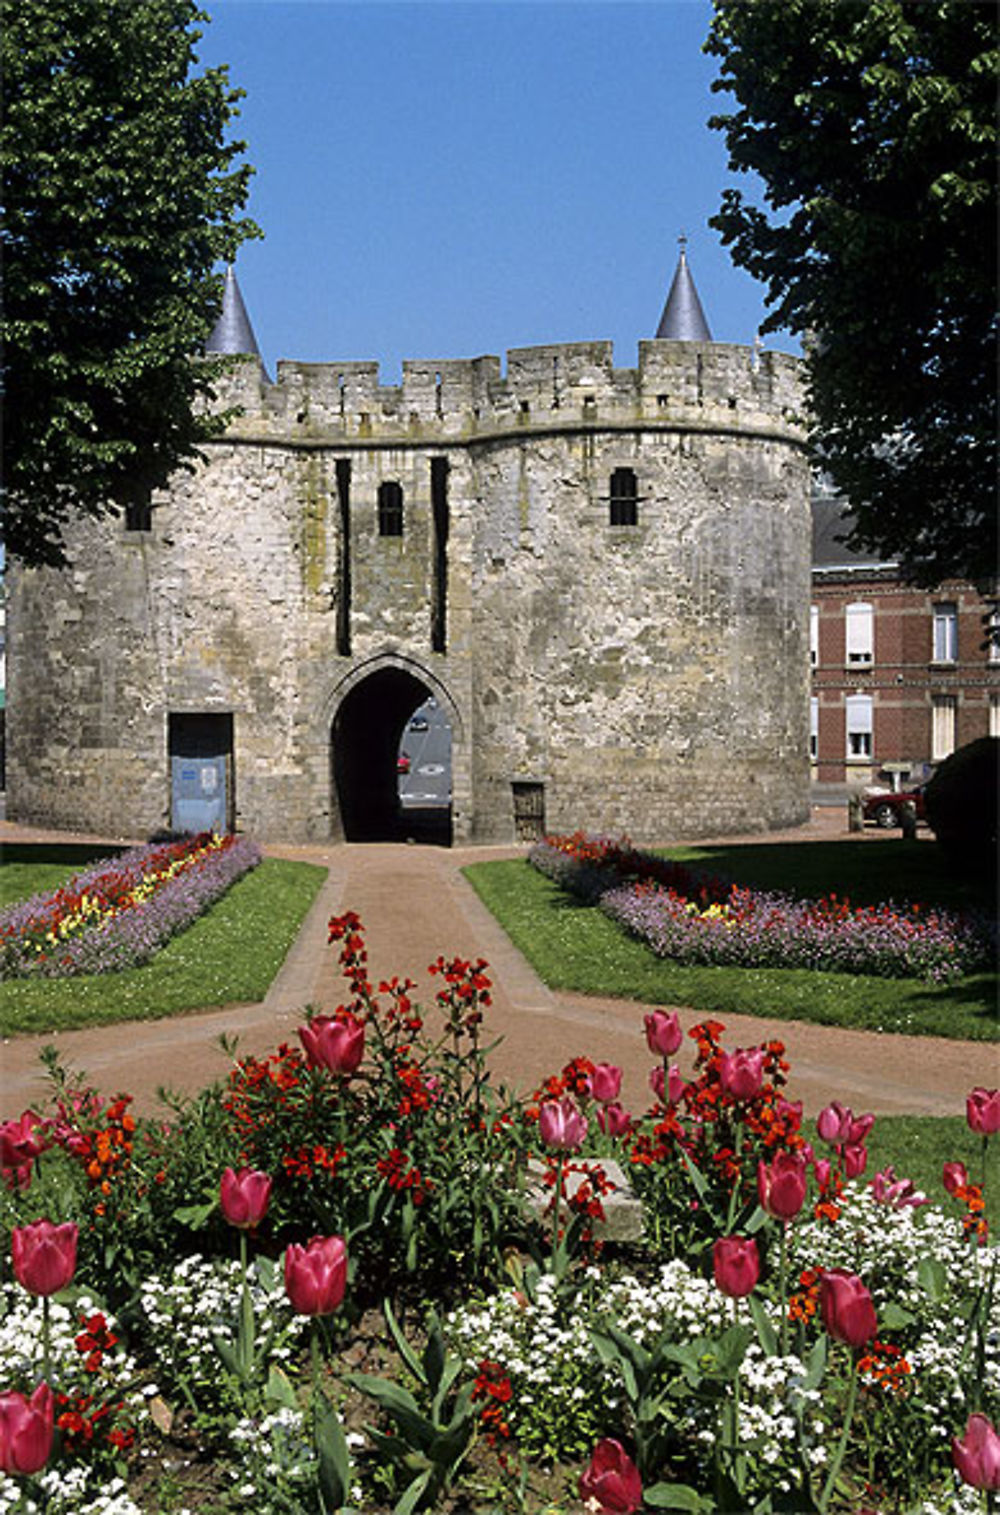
[(652, 678)]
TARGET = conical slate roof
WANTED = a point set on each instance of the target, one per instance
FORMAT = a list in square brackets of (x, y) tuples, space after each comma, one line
[(232, 332), (683, 319)]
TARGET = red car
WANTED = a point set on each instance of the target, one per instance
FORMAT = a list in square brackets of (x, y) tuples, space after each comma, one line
[(403, 763), (886, 808)]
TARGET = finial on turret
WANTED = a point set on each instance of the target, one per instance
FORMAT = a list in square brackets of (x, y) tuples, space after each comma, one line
[(683, 319)]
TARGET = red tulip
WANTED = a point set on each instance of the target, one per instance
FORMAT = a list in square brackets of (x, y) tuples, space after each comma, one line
[(18, 1143), (846, 1307), (736, 1265), (611, 1479), (982, 1109), (606, 1082), (26, 1427), (560, 1124), (244, 1197), (896, 1192), (821, 1168), (977, 1458), (855, 1159), (954, 1176), (613, 1120), (316, 1275), (742, 1072), (17, 1179), (336, 1043), (839, 1126), (44, 1256), (663, 1032), (781, 1188), (790, 1111)]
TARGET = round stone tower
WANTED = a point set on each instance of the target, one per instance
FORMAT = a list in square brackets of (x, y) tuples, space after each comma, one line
[(601, 575)]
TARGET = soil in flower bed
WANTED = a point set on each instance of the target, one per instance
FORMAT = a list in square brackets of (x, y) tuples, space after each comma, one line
[(184, 1472)]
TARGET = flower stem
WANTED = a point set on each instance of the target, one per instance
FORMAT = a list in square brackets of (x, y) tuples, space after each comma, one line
[(842, 1447), (46, 1341), (783, 1285)]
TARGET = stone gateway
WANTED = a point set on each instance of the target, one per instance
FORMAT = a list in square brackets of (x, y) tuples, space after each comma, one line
[(601, 575)]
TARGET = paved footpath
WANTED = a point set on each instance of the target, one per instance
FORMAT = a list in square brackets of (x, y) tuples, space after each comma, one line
[(415, 904)]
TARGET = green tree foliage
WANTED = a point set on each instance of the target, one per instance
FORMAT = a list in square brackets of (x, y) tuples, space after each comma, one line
[(120, 199), (872, 126)]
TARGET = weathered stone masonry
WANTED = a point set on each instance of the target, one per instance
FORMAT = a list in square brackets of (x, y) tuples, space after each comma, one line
[(651, 677)]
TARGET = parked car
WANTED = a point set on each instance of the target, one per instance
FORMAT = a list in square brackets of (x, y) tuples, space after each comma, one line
[(885, 807), (419, 723), (403, 763)]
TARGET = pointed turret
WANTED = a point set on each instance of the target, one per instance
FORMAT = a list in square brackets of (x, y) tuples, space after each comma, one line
[(232, 332), (683, 319)]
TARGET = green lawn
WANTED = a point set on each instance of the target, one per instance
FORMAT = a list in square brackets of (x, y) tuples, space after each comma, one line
[(574, 947), (28, 868), (919, 1146), (228, 956)]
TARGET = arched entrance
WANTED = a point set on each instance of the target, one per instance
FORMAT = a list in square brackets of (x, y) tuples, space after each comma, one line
[(376, 801)]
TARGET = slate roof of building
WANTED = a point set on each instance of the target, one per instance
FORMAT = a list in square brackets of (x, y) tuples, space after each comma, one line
[(683, 319), (831, 521), (232, 332)]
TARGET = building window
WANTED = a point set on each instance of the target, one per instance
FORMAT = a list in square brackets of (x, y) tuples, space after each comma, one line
[(943, 707), (814, 635), (624, 498), (814, 728), (994, 729), (390, 510), (946, 633), (859, 727), (860, 632), (993, 635), (139, 515)]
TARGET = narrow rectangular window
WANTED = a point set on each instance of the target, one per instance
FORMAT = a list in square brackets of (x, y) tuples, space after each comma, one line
[(439, 547), (529, 810), (390, 509), (139, 514), (993, 635), (814, 635), (945, 633), (624, 498), (343, 470), (859, 727), (814, 728), (860, 635), (943, 710), (994, 728)]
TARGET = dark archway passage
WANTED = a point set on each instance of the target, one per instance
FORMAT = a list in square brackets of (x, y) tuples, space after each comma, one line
[(365, 745)]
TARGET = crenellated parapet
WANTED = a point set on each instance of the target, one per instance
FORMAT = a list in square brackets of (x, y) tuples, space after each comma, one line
[(696, 386)]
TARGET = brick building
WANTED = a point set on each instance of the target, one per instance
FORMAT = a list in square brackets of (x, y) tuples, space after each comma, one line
[(900, 676)]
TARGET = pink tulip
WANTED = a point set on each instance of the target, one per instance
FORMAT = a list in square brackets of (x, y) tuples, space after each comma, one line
[(982, 1109), (26, 1427), (736, 1265), (839, 1126), (675, 1084), (855, 1160), (316, 1275), (606, 1082), (895, 1192), (742, 1072), (244, 1197), (613, 1120), (337, 1044), (846, 1307), (611, 1479), (663, 1033), (560, 1124), (17, 1179), (18, 1143), (790, 1111), (781, 1187), (657, 1082), (44, 1256), (954, 1176), (821, 1167), (977, 1457)]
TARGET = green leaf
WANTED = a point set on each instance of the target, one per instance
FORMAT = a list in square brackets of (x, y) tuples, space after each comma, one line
[(766, 1334), (403, 1347), (334, 1458), (195, 1216), (413, 1494), (279, 1388), (932, 1277), (816, 1362), (893, 1317), (676, 1496)]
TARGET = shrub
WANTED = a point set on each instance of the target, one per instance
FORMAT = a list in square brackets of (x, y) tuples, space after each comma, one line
[(961, 801)]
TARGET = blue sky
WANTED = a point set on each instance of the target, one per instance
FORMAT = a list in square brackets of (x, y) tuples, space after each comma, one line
[(445, 178)]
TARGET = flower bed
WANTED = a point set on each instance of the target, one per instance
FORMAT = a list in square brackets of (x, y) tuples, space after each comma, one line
[(319, 1287), (691, 919), (119, 913)]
